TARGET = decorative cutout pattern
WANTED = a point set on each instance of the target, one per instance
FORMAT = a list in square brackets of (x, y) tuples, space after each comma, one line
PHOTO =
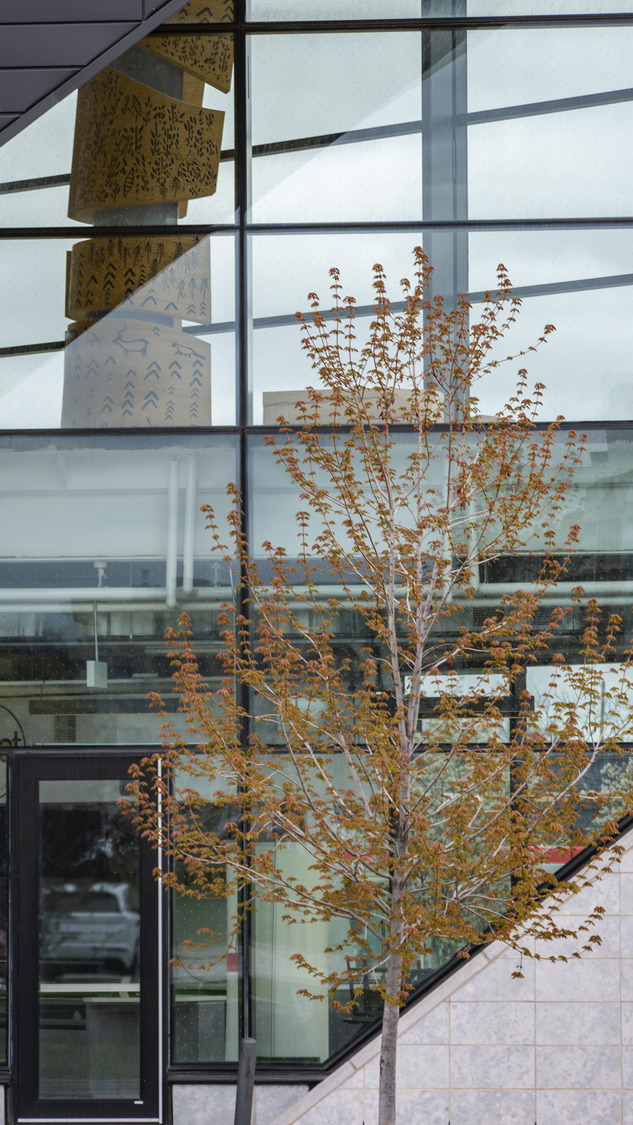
[(204, 11), (209, 57), (134, 145), (124, 372), (164, 276)]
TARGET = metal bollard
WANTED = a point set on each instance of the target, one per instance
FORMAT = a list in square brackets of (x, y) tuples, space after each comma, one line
[(245, 1082)]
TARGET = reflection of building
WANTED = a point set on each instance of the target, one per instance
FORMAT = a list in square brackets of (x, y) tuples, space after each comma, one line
[(178, 211)]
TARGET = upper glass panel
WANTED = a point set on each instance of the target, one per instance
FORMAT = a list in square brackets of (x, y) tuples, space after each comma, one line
[(549, 111), (332, 9), (114, 332), (339, 138), (442, 125), (580, 281), (483, 8), (413, 9)]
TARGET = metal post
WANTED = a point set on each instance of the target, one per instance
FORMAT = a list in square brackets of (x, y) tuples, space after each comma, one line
[(245, 1082)]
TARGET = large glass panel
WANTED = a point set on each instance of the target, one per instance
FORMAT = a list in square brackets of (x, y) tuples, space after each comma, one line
[(339, 137), (530, 123), (547, 131), (205, 969), (519, 70), (151, 338), (290, 1027), (89, 943), (598, 499), (578, 280), (104, 547), (285, 270)]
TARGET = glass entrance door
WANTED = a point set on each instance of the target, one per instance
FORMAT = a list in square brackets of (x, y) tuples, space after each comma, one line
[(87, 957)]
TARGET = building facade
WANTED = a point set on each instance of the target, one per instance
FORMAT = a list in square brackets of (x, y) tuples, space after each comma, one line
[(162, 222)]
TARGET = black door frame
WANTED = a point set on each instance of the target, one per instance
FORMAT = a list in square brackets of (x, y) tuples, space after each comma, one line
[(28, 770)]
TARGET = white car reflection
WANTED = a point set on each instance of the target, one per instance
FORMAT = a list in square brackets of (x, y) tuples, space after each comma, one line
[(89, 926), (201, 964)]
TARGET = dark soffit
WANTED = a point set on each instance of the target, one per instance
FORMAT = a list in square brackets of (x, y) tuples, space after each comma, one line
[(48, 48)]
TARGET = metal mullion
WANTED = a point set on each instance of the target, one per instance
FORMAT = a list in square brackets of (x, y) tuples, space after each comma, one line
[(358, 226), (22, 233), (572, 222), (467, 23), (242, 201)]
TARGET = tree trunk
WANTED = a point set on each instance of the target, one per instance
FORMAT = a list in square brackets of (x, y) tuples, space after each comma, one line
[(388, 1049)]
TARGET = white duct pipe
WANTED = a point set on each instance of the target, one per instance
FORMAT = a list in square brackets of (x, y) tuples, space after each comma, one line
[(172, 533), (560, 589), (190, 506), (90, 594), (105, 594), (83, 600)]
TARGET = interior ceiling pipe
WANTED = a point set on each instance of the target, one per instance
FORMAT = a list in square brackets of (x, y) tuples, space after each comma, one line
[(190, 513), (172, 533), (88, 594), (591, 589)]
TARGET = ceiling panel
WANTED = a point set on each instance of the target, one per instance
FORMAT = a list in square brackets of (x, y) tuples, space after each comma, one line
[(50, 47)]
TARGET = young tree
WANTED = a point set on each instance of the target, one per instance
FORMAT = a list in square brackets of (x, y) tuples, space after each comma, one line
[(424, 786)]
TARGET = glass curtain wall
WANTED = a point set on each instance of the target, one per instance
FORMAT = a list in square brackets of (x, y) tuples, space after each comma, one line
[(159, 231)]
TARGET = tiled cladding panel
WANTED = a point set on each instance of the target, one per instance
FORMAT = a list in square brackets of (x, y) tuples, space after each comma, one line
[(553, 1048)]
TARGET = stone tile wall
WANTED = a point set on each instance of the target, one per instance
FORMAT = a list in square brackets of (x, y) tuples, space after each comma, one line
[(207, 1104), (555, 1048)]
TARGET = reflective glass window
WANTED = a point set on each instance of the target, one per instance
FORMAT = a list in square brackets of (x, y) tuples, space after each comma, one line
[(205, 972), (117, 331), (444, 125), (285, 269), (89, 943), (339, 138), (547, 111), (578, 280), (290, 1027), (105, 546)]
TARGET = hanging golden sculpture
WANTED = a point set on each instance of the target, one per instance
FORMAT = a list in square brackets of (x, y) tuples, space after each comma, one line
[(166, 276), (209, 58), (128, 361), (127, 372), (134, 145)]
